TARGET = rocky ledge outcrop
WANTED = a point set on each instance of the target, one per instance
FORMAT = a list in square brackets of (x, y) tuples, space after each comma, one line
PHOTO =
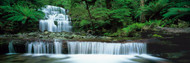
[(174, 30), (55, 35)]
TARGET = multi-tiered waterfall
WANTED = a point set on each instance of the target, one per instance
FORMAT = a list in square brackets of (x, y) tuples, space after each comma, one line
[(90, 52), (56, 20)]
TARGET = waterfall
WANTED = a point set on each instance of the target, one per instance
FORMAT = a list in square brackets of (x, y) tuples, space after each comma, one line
[(44, 47), (106, 48), (58, 47), (55, 20), (11, 48)]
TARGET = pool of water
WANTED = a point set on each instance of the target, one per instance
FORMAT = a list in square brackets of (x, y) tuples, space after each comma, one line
[(79, 58)]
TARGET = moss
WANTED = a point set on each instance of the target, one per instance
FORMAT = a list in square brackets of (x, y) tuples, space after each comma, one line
[(157, 36), (174, 55)]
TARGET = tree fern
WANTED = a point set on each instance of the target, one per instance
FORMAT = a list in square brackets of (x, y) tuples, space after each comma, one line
[(153, 8), (21, 13), (183, 4), (177, 12), (180, 9)]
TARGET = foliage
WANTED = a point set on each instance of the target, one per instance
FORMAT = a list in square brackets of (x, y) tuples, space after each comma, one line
[(138, 27), (153, 9), (177, 12), (21, 13), (181, 24), (157, 36), (17, 15), (133, 27), (161, 23), (100, 17), (84, 22), (104, 17)]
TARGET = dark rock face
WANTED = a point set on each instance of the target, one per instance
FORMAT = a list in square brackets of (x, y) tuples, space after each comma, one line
[(18, 44)]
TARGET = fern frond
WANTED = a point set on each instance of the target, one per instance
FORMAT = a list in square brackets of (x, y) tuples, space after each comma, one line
[(177, 12), (21, 13), (153, 8)]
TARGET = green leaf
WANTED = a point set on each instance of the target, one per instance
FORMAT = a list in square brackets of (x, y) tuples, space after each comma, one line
[(177, 12), (84, 22)]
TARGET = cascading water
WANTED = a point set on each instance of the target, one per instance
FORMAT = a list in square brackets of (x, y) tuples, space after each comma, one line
[(56, 20), (90, 52), (106, 48), (40, 48), (11, 48), (58, 47), (44, 47)]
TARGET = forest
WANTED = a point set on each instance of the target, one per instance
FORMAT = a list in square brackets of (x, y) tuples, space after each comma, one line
[(98, 17), (94, 31)]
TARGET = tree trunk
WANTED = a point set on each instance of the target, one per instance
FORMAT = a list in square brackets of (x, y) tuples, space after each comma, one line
[(142, 17), (87, 7), (108, 4)]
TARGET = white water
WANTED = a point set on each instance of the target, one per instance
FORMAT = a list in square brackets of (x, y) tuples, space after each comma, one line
[(58, 47), (101, 58), (106, 48), (11, 48), (56, 20), (98, 52), (44, 47)]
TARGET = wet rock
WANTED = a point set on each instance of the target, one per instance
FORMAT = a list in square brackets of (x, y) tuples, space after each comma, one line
[(68, 37), (104, 37), (15, 35), (59, 35), (40, 36), (46, 32), (174, 30), (32, 34)]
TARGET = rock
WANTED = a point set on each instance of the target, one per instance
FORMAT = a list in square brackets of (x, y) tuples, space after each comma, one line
[(31, 34), (46, 32), (40, 36), (174, 30), (68, 37), (15, 35), (107, 38), (21, 36)]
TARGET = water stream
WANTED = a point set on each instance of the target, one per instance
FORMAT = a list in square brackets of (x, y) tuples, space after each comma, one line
[(11, 48), (56, 19), (106, 48), (44, 47), (84, 52)]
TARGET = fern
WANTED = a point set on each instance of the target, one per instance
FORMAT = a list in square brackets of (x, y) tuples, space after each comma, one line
[(133, 27), (183, 4), (84, 22), (100, 13), (121, 14), (153, 8), (177, 12), (21, 13)]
